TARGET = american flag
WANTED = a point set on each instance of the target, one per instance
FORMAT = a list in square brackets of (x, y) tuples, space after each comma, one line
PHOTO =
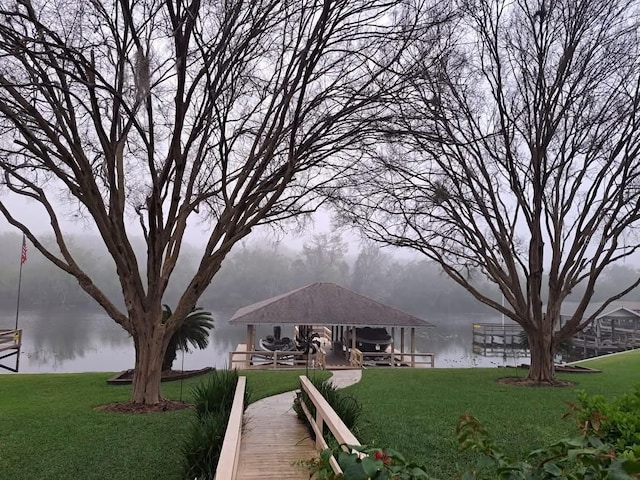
[(23, 257)]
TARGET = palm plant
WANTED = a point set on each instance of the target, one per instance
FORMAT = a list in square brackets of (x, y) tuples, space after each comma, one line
[(194, 331)]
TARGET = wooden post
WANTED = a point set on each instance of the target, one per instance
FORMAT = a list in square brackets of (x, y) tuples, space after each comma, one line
[(484, 340), (251, 337), (320, 424), (353, 337), (613, 329), (413, 346), (401, 344), (393, 346)]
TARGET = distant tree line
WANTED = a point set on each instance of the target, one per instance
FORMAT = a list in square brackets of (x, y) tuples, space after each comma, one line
[(262, 269), (255, 272)]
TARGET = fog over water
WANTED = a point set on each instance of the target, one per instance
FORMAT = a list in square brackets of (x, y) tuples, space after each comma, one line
[(75, 340)]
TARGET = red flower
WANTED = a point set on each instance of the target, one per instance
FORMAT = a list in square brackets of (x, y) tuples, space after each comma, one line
[(380, 455)]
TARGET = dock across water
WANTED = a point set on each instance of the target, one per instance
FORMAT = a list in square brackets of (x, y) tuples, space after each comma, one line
[(10, 344)]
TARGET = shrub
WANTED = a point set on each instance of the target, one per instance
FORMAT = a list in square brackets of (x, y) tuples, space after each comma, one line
[(608, 448), (213, 401), (201, 448), (581, 458), (216, 392), (615, 421), (374, 464), (346, 406)]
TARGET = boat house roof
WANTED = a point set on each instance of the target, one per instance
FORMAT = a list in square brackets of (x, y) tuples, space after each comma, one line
[(616, 308), (324, 304)]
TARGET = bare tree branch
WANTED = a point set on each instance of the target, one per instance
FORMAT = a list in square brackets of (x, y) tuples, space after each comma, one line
[(171, 111), (516, 156)]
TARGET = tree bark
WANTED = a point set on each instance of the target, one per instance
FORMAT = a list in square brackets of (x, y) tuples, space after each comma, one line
[(542, 368), (120, 147), (150, 347)]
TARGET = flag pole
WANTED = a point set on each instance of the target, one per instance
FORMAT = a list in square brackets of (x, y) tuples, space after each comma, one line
[(23, 259)]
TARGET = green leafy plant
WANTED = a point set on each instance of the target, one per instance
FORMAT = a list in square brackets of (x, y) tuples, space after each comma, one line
[(201, 448), (216, 392), (346, 406), (213, 402), (361, 462), (584, 457), (615, 421), (194, 331)]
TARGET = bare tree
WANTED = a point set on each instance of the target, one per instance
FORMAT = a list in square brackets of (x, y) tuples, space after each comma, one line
[(516, 154), (169, 111)]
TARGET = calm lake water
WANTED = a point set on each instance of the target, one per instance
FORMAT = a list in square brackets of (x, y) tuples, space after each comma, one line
[(74, 340)]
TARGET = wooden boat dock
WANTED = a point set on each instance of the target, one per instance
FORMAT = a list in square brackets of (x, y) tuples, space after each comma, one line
[(331, 355), (336, 314), (495, 338), (607, 334), (10, 345)]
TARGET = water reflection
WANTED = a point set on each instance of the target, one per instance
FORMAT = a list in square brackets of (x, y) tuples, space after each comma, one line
[(74, 340), (70, 340), (451, 340)]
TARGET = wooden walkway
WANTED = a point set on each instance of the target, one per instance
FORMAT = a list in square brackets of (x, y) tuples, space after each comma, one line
[(273, 439)]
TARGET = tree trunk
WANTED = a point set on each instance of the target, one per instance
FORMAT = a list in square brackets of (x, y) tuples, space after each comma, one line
[(542, 368), (148, 367)]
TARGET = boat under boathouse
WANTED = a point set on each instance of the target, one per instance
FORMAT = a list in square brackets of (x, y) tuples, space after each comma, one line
[(347, 329)]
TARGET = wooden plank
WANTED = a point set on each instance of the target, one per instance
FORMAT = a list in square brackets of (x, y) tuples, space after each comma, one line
[(237, 360), (10, 340), (274, 441), (230, 452), (10, 336), (10, 344), (329, 416), (321, 443)]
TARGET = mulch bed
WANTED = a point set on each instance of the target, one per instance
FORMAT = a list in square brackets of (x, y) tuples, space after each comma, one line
[(526, 382), (564, 368), (128, 407), (126, 377)]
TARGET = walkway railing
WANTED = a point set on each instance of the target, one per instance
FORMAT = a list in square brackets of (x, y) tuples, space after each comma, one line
[(261, 359), (358, 358), (324, 333), (325, 415), (241, 359), (230, 453)]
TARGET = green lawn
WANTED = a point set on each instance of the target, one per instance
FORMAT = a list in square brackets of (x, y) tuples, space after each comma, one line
[(415, 411), (49, 430)]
